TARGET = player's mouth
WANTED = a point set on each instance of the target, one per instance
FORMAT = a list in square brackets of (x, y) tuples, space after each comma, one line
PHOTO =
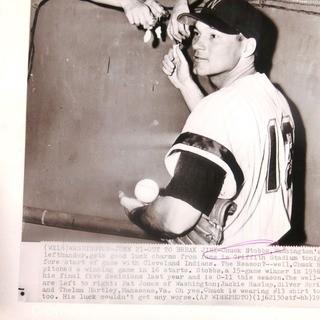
[(197, 58)]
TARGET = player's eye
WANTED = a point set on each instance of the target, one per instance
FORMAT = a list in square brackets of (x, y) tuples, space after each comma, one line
[(213, 36), (195, 36)]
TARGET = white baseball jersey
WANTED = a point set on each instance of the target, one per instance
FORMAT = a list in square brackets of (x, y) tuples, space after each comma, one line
[(248, 130)]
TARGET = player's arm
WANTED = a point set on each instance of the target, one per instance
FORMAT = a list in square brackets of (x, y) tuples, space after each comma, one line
[(176, 67), (192, 191), (114, 3), (167, 217)]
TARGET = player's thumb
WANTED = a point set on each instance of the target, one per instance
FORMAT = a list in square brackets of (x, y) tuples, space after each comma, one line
[(180, 55), (129, 203)]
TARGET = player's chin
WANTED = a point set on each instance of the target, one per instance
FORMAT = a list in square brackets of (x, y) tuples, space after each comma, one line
[(200, 70), (200, 67)]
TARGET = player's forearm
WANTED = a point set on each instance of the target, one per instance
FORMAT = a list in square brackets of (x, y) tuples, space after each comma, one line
[(115, 3), (177, 214), (191, 94), (168, 216)]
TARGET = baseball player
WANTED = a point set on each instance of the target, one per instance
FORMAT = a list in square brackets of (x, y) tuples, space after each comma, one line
[(139, 12), (231, 164)]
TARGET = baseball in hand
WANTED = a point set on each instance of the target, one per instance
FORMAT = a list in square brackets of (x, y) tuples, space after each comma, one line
[(146, 190)]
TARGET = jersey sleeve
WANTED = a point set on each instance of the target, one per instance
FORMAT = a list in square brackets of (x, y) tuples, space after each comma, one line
[(196, 181), (212, 151), (207, 134)]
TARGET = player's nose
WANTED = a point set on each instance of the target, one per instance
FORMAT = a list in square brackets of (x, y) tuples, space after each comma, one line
[(198, 44)]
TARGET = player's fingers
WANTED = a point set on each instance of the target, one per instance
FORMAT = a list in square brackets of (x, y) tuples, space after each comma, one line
[(177, 57), (155, 7), (174, 52), (187, 30), (167, 65), (136, 18), (169, 59), (180, 56), (147, 20), (168, 72), (145, 24), (210, 231), (169, 31), (129, 203), (157, 10), (171, 54), (196, 238), (175, 31), (130, 18), (183, 34), (204, 226), (168, 69), (177, 36)]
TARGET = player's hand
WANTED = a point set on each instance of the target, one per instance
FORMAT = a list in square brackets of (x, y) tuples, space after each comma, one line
[(138, 13), (129, 204), (156, 9), (175, 66), (177, 30)]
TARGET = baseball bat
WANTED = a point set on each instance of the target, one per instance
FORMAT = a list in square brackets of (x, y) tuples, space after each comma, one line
[(83, 222)]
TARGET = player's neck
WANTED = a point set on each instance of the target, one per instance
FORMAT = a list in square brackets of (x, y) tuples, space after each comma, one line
[(242, 69)]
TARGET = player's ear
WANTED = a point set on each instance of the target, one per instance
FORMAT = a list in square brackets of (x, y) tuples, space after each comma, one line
[(249, 47)]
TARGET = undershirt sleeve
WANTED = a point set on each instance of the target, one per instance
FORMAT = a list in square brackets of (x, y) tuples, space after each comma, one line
[(197, 181)]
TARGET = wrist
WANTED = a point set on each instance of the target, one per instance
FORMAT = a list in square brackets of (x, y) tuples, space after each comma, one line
[(187, 84)]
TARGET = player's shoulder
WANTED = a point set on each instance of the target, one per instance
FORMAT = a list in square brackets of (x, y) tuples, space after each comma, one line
[(256, 89), (242, 96), (252, 84), (242, 88)]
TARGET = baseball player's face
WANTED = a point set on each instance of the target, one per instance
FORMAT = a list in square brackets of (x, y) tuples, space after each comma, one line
[(214, 52)]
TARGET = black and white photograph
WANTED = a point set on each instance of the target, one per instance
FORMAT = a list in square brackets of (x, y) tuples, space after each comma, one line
[(173, 122), (116, 141)]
